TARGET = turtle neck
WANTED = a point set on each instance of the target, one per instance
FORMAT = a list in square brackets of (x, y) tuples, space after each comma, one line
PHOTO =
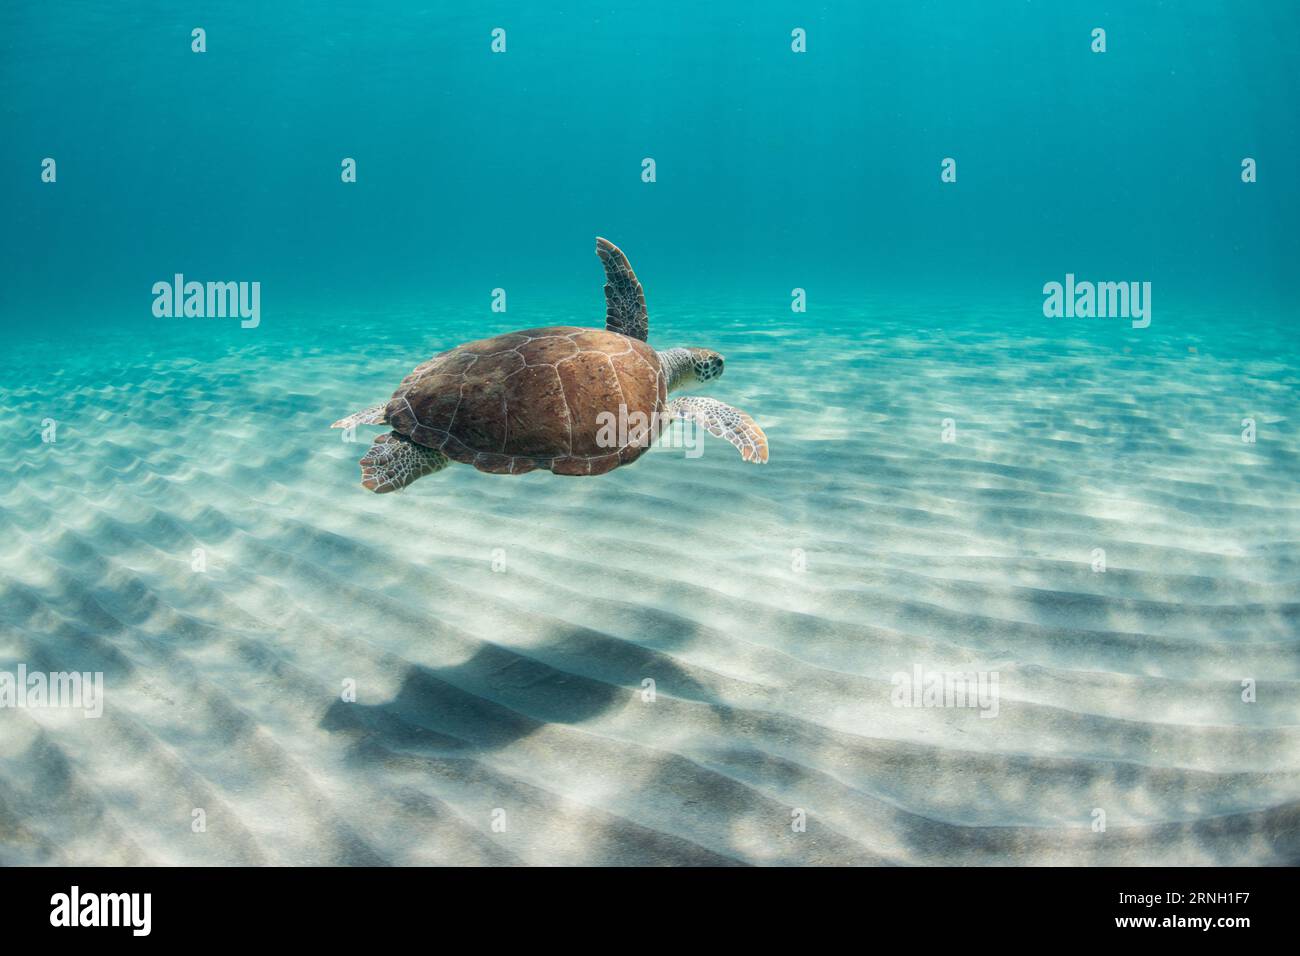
[(679, 366)]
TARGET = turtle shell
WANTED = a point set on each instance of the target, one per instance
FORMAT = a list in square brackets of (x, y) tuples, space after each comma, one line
[(575, 401)]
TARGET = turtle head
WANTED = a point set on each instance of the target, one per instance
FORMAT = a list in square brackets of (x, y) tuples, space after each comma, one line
[(706, 364), (690, 368)]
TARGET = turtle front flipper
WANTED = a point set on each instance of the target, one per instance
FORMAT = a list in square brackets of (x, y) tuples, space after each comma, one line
[(625, 311), (394, 461), (370, 416), (723, 421)]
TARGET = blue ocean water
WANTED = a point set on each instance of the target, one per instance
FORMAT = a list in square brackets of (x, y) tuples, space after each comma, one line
[(774, 169), (1101, 511)]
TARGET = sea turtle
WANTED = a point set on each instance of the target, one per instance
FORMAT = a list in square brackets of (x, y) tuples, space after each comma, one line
[(572, 400)]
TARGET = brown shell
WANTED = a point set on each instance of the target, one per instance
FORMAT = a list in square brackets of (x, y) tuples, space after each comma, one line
[(531, 399)]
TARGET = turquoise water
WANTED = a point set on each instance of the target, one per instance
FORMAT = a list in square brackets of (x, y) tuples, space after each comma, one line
[(1105, 516)]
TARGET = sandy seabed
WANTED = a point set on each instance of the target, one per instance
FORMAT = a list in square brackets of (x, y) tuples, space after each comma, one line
[(500, 631)]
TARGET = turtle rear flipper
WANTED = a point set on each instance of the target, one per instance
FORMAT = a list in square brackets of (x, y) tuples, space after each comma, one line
[(370, 416), (395, 461)]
